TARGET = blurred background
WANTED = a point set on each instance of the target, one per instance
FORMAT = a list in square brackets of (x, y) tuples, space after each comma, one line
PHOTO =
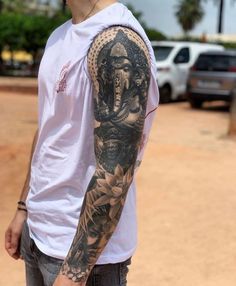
[(186, 184)]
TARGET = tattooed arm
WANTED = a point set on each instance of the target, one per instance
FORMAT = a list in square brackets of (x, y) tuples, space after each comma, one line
[(120, 69)]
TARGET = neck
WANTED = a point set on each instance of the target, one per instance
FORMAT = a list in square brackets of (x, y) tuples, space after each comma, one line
[(83, 9)]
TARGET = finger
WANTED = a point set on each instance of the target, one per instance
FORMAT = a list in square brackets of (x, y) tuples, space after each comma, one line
[(15, 237), (13, 253), (11, 243), (8, 239), (16, 255)]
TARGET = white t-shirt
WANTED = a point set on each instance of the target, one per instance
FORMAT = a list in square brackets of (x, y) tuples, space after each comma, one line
[(64, 161)]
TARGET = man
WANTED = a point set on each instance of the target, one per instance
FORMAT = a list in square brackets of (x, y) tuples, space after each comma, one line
[(97, 94)]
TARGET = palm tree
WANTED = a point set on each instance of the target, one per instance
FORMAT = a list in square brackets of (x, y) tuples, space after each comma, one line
[(221, 10), (221, 4), (189, 13)]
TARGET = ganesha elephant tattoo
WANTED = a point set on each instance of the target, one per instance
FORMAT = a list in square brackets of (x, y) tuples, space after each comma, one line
[(122, 78)]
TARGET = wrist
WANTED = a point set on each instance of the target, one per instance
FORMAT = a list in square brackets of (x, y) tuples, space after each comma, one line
[(20, 216), (21, 203), (21, 207), (74, 274), (65, 281)]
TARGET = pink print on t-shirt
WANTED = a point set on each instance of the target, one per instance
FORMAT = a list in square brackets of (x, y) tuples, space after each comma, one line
[(61, 83)]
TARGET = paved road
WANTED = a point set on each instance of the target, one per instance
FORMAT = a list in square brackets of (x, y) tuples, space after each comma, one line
[(186, 194)]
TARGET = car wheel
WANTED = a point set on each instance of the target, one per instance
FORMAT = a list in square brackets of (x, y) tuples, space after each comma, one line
[(195, 103), (165, 94)]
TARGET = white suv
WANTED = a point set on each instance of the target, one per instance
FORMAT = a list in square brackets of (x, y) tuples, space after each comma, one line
[(174, 60)]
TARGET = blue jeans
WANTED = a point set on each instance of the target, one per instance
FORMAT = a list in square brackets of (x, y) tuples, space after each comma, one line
[(42, 270)]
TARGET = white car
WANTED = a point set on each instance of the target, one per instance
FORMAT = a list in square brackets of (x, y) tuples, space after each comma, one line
[(174, 60)]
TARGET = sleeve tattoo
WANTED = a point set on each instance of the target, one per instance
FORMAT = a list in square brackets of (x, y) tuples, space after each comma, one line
[(119, 66)]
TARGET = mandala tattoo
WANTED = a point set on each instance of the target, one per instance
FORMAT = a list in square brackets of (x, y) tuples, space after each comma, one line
[(119, 65)]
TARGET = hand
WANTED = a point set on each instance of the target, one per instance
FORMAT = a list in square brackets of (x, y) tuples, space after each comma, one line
[(63, 280), (13, 234)]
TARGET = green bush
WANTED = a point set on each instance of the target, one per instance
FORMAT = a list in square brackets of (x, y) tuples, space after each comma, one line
[(229, 45), (27, 32), (11, 35), (155, 35)]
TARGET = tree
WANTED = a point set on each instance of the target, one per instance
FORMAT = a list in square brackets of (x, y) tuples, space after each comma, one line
[(221, 4), (36, 30), (27, 32), (24, 25), (221, 9), (189, 13), (154, 35), (11, 31)]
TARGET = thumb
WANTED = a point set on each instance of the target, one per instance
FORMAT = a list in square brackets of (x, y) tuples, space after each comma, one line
[(11, 244), (8, 239), (15, 240)]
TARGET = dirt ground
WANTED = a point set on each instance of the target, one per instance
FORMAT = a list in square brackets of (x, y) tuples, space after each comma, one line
[(186, 194)]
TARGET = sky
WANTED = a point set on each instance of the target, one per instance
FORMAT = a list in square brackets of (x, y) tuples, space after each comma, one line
[(159, 14)]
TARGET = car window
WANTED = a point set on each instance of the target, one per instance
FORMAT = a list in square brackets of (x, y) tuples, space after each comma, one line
[(162, 52), (215, 62), (183, 56), (233, 62)]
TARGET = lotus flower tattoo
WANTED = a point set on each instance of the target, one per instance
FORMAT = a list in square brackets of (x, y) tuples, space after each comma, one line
[(114, 189)]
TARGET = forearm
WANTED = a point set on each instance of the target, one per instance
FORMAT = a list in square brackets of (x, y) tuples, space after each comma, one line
[(13, 233), (101, 211), (25, 190)]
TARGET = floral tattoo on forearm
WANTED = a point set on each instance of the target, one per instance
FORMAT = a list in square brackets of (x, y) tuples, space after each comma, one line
[(120, 69)]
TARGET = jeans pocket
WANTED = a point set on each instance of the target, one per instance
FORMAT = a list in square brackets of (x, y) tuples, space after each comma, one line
[(49, 267), (50, 264), (27, 247)]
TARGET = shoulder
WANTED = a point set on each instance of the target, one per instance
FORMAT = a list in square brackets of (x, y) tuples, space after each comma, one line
[(121, 34), (117, 42)]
